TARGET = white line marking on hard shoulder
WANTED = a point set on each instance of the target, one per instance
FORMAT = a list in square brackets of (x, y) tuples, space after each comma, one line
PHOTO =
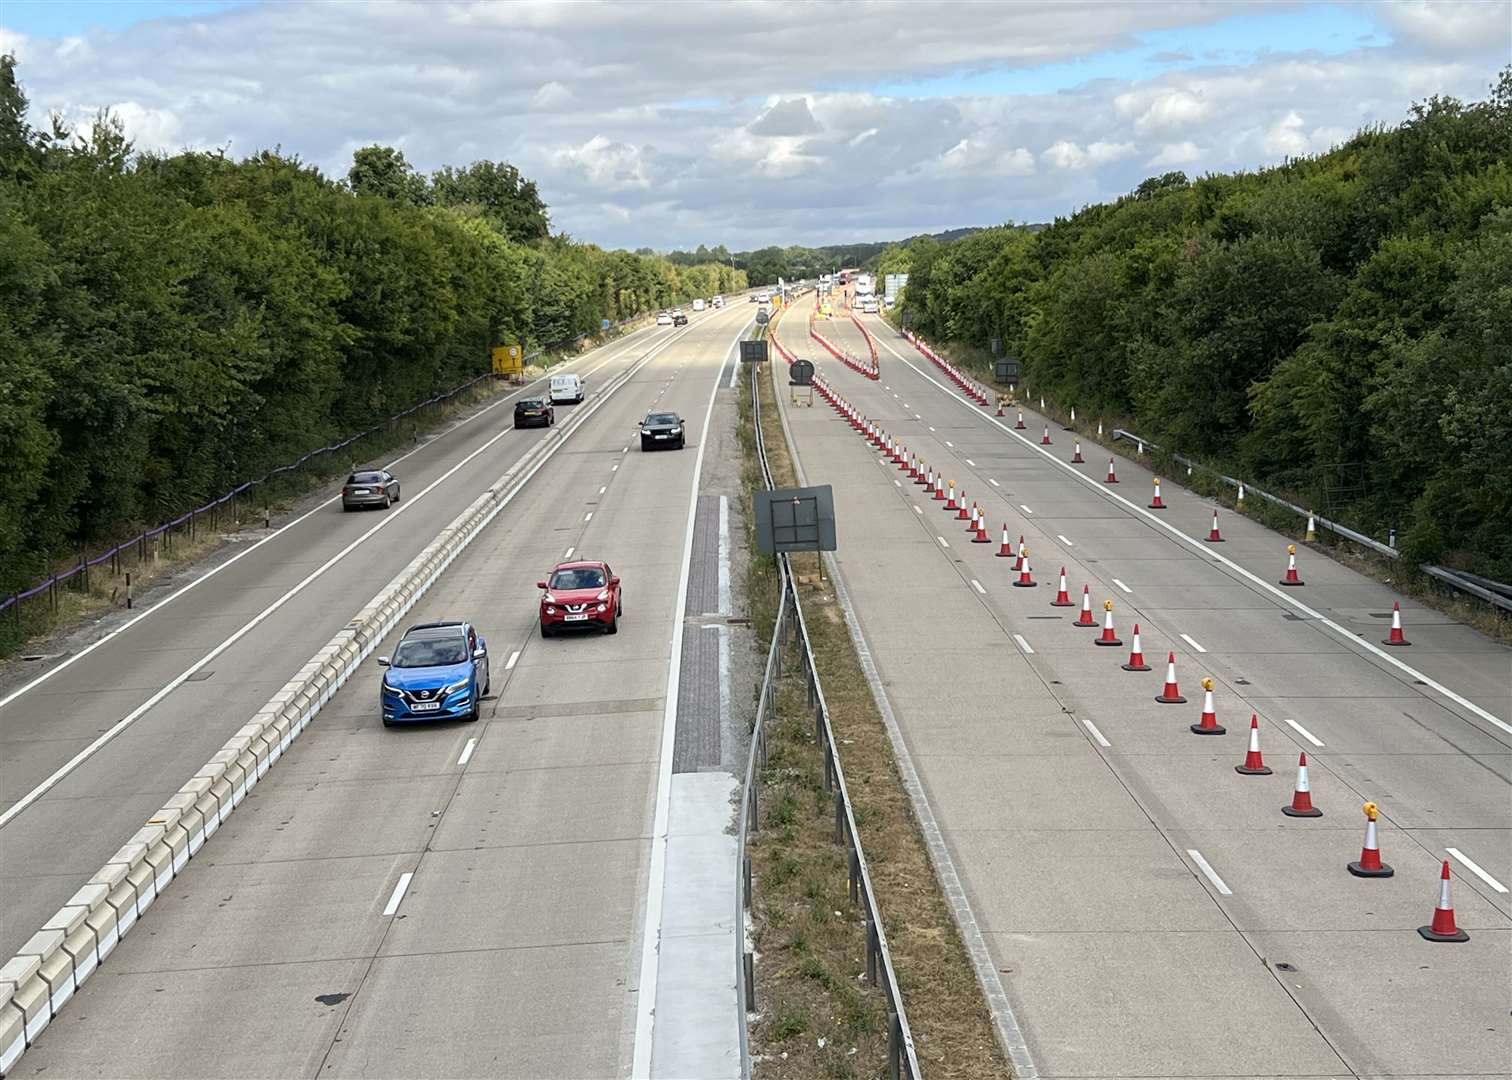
[(897, 483), (1475, 868), (615, 467), (1092, 728), (1025, 509), (514, 658), (906, 405), (568, 553), (993, 482), (978, 585), (943, 542), (1212, 875), (950, 444), (1063, 540), (1028, 649), (1276, 592), (971, 463), (1122, 586), (918, 511), (587, 517), (1302, 731), (603, 489), (625, 450), (399, 890), (1190, 640), (467, 751)]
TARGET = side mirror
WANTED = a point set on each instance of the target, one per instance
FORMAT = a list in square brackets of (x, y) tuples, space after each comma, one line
[(540, 584), (479, 654), (383, 661)]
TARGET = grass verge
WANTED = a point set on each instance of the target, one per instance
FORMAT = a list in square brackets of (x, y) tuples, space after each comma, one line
[(818, 1016)]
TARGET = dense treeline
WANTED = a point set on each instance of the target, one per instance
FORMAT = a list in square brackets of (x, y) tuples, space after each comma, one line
[(173, 325), (1339, 327), (795, 263)]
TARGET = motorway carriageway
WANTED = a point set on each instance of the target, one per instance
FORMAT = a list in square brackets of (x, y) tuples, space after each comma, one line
[(449, 899), (1148, 910)]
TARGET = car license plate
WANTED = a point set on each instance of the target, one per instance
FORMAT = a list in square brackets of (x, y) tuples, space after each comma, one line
[(426, 706), (574, 618)]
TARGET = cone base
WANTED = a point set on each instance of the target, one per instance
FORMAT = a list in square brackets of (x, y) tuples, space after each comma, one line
[(1359, 870), (1429, 934), (1005, 555), (1112, 481), (1063, 603), (1025, 584), (1019, 427), (1107, 641), (1157, 506), (1283, 581), (1077, 461), (1292, 811), (1213, 540), (1198, 729), (980, 540), (1242, 770), (1398, 644), (1136, 667), (1177, 700)]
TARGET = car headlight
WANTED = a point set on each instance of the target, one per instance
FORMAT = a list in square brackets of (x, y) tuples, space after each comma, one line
[(454, 687), (603, 594), (550, 610), (387, 689), (676, 431), (645, 431)]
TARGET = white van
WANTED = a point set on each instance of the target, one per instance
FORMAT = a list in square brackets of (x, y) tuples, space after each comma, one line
[(698, 305), (566, 388), (719, 301)]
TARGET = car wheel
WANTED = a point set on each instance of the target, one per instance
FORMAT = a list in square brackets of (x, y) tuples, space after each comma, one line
[(387, 501), (681, 443), (545, 630), (613, 627), (387, 722), (645, 446), (477, 711), (487, 686), (396, 494)]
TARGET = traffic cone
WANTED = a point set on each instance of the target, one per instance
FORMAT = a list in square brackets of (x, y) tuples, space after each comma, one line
[(1395, 637), (1020, 425), (1112, 476), (1291, 577), (981, 536), (951, 503), (1022, 551), (1301, 804), (1156, 503), (1025, 581), (1099, 429), (1108, 637), (1442, 928), (1136, 654), (1171, 695), (1312, 529), (1005, 549), (1209, 724), (923, 480), (971, 523), (1370, 864), (1254, 764), (1212, 536), (1045, 441), (962, 514), (1062, 598), (1085, 618), (1076, 458), (939, 487)]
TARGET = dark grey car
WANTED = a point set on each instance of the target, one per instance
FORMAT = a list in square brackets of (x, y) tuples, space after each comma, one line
[(662, 429), (371, 487)]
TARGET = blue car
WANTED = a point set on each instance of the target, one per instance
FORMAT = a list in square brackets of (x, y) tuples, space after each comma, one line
[(439, 671)]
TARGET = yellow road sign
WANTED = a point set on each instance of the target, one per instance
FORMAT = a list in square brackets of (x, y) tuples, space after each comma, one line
[(508, 359)]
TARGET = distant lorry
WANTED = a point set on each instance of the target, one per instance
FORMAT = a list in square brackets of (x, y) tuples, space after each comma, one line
[(864, 286), (566, 388)]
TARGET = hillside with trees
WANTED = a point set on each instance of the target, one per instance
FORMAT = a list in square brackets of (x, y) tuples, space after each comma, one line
[(171, 325), (1337, 327)]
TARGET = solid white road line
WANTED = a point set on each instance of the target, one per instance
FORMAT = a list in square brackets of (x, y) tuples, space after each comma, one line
[(943, 542), (1028, 649), (1122, 586), (514, 658), (399, 891), (1063, 540), (1212, 875), (1192, 642), (645, 1018), (467, 751), (978, 585), (1302, 731), (275, 534), (1276, 592), (1476, 869), (1092, 728)]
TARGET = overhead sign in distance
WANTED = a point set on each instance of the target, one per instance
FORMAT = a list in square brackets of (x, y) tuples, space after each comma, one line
[(508, 359), (795, 519)]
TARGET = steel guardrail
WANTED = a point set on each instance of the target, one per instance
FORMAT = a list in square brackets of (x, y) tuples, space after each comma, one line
[(902, 1060)]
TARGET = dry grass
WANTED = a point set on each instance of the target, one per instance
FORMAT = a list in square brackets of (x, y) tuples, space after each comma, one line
[(808, 934)]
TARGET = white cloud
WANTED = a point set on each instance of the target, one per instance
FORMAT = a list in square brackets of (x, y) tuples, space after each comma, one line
[(1173, 111), (1454, 27), (551, 95), (1068, 155), (1185, 152), (607, 165)]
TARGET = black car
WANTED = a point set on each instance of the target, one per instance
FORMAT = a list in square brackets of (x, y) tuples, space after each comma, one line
[(679, 319), (534, 412), (662, 429)]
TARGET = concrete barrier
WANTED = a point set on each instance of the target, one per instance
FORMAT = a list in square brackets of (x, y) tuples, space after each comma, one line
[(40, 979)]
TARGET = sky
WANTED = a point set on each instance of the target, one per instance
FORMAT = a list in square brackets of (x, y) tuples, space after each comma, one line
[(748, 123)]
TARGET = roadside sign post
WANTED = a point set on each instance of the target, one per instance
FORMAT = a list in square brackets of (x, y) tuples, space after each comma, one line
[(801, 375), (508, 360)]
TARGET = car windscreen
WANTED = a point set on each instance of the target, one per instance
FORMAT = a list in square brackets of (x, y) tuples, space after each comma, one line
[(660, 419), (430, 652), (533, 403), (365, 478), (582, 577)]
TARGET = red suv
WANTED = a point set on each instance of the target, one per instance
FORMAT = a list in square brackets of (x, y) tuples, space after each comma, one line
[(581, 594)]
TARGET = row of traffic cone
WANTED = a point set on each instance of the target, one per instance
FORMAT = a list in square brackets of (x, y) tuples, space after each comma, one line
[(968, 385)]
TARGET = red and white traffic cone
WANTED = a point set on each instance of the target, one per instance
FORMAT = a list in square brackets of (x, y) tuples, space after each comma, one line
[(1062, 598), (951, 502), (1208, 724), (1442, 928), (1213, 537), (1000, 408), (1254, 764), (1076, 458), (1291, 577), (971, 521), (1005, 549), (925, 477), (962, 514), (1085, 618), (1136, 654), (1301, 804), (1025, 580), (1045, 441), (1112, 476), (939, 487), (1395, 637), (1020, 425), (1171, 695), (1107, 637), (1018, 563), (981, 536), (1370, 864), (1157, 503)]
